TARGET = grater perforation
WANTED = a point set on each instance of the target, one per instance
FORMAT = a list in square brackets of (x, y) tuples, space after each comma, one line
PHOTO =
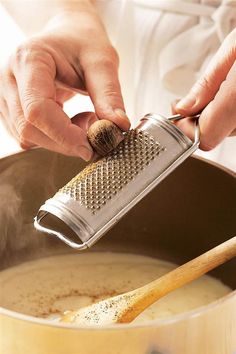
[(100, 181)]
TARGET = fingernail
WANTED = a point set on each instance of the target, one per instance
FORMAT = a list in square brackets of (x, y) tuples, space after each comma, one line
[(187, 102), (173, 105), (121, 114), (85, 152)]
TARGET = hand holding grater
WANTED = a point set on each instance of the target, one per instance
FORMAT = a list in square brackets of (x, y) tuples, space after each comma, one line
[(97, 198)]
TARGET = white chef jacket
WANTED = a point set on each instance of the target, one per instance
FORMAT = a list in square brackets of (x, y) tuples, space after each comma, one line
[(164, 45)]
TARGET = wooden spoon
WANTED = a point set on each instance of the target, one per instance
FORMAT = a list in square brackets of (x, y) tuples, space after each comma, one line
[(126, 307)]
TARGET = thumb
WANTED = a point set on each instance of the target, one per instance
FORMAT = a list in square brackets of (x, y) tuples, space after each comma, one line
[(208, 85), (102, 84)]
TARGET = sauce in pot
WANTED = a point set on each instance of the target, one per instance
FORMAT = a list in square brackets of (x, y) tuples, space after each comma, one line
[(50, 286)]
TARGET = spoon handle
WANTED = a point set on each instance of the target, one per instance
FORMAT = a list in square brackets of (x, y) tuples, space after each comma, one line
[(150, 293)]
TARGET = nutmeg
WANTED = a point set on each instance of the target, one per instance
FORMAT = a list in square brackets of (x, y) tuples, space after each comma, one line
[(104, 136)]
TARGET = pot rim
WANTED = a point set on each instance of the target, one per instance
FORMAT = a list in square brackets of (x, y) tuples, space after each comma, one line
[(152, 323), (197, 157)]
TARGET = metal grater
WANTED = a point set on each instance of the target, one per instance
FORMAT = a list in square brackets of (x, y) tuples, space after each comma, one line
[(94, 200)]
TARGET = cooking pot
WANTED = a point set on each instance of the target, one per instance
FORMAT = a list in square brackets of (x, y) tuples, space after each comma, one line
[(191, 211)]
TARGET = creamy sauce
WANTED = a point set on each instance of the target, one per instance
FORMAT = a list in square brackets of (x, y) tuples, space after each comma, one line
[(50, 286)]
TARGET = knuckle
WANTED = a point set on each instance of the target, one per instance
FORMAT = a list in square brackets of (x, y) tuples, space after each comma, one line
[(105, 63), (24, 131), (112, 54), (33, 111), (204, 83), (111, 90), (106, 58), (21, 53), (26, 52), (206, 86), (110, 94), (6, 77), (64, 139), (10, 78), (3, 104), (109, 61), (63, 142), (24, 144)]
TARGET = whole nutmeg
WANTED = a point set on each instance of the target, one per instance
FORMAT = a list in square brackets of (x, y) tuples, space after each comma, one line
[(104, 136)]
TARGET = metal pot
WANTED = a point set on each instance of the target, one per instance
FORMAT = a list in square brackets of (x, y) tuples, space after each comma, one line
[(191, 211)]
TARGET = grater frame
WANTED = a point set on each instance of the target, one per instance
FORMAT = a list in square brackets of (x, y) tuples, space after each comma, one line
[(73, 223)]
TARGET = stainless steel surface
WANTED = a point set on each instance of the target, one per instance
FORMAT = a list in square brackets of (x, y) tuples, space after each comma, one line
[(101, 181), (94, 200), (162, 225), (179, 116)]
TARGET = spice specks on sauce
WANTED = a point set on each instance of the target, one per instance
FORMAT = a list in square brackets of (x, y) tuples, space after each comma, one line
[(49, 287)]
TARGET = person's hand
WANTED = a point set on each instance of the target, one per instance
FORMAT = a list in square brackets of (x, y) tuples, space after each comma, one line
[(76, 52), (215, 95)]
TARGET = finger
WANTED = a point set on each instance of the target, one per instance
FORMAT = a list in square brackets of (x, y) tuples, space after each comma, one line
[(7, 102), (84, 120), (208, 85), (3, 106), (173, 106), (102, 83), (3, 109), (187, 125), (31, 136), (4, 113), (27, 135), (35, 73), (218, 120), (24, 132)]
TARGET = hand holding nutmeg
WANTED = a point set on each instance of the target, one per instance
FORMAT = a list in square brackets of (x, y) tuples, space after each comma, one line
[(104, 136)]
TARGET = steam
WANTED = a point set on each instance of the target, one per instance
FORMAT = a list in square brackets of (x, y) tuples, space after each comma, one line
[(26, 181), (10, 218)]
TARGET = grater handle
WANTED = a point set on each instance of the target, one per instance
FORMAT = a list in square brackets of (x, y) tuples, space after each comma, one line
[(177, 117), (61, 236)]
